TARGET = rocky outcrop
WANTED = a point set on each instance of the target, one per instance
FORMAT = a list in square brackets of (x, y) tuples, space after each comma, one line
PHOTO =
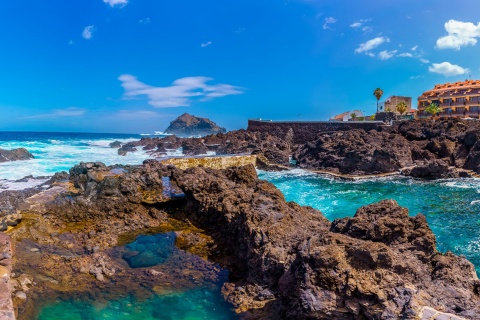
[(187, 125), (422, 148), (289, 262), (15, 154), (6, 252), (275, 149), (285, 261)]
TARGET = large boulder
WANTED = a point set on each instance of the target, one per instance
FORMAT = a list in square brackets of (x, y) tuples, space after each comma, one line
[(15, 154), (187, 125)]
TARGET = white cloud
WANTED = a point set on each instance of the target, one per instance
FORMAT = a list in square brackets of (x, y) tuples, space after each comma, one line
[(414, 48), (88, 32), (181, 93), (385, 55), (59, 113), (460, 34), (206, 44), (113, 3), (405, 55), (422, 60), (371, 44), (359, 23), (144, 21), (447, 69), (416, 77), (328, 21)]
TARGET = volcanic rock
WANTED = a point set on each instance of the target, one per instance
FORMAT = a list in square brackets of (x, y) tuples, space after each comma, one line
[(187, 125), (15, 154)]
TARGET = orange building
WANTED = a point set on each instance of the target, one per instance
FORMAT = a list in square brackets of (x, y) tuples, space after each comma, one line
[(460, 99)]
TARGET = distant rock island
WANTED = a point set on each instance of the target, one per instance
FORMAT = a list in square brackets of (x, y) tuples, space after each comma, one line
[(15, 154), (188, 125)]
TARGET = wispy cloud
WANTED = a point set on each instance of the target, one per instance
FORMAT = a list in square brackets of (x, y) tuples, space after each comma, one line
[(328, 21), (447, 69), (385, 55), (361, 25), (366, 47), (70, 42), (414, 48), (405, 55), (206, 44), (60, 113), (181, 93), (88, 32), (460, 34), (145, 21), (113, 3)]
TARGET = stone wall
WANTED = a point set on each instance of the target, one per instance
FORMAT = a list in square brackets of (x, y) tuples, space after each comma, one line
[(214, 162), (6, 252), (304, 131)]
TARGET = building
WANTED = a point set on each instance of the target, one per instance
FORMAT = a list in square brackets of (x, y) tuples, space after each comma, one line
[(346, 116), (392, 102), (460, 99)]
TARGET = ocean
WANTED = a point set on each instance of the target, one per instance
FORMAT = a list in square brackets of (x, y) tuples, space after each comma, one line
[(56, 151)]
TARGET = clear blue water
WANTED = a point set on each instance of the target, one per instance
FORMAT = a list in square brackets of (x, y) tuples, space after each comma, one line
[(198, 304), (149, 251), (452, 207)]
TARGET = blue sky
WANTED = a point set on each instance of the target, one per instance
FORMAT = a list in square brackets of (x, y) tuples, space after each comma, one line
[(135, 65)]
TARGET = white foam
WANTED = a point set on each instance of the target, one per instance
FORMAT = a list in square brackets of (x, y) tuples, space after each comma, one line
[(20, 185)]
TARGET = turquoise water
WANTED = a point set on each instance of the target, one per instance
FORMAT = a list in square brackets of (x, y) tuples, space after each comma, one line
[(452, 207), (149, 251), (190, 305), (203, 302)]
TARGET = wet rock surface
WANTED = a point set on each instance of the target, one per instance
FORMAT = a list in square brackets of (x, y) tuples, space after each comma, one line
[(15, 154), (285, 261)]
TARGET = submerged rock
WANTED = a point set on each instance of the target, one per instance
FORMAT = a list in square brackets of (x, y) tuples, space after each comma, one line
[(15, 154)]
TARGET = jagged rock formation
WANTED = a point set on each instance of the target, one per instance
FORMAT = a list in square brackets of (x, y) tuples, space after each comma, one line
[(6, 305), (275, 149), (187, 125), (437, 149), (285, 261), (15, 154)]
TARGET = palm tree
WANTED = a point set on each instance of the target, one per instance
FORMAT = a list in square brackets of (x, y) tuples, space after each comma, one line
[(401, 108), (433, 109), (378, 93), (353, 115)]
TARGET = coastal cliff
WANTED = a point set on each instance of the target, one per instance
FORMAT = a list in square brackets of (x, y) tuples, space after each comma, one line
[(187, 125), (285, 261)]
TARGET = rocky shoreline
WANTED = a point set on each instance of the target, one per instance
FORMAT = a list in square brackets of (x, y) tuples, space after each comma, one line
[(285, 261), (423, 149)]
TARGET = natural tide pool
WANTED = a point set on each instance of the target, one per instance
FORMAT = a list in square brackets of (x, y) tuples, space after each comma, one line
[(172, 302), (452, 207)]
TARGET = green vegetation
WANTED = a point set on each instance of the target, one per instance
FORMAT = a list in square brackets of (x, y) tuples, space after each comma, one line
[(433, 109), (378, 93), (401, 108), (353, 115)]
